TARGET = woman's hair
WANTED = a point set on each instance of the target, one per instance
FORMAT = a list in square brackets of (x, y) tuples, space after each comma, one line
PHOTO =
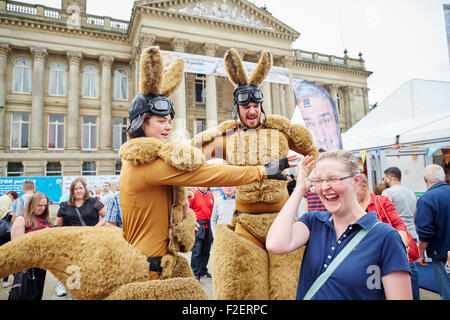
[(379, 188), (81, 180), (147, 117), (13, 194), (350, 162), (30, 218)]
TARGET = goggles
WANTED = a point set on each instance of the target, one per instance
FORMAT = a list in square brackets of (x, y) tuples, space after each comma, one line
[(243, 96), (150, 104), (161, 106)]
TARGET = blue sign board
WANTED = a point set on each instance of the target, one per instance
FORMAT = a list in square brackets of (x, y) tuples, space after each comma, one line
[(51, 186)]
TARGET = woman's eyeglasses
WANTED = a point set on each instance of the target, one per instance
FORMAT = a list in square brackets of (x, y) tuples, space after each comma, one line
[(317, 183)]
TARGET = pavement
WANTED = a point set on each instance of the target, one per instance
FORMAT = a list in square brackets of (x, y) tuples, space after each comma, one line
[(50, 286), (50, 282), (50, 289)]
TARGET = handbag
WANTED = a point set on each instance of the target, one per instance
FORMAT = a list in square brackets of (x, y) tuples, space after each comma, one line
[(413, 253), (5, 229), (337, 261), (26, 286), (80, 217)]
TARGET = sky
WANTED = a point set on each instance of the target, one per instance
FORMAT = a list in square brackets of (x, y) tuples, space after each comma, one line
[(400, 39)]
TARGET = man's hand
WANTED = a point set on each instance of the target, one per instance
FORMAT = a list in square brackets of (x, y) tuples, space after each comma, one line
[(421, 261), (275, 169)]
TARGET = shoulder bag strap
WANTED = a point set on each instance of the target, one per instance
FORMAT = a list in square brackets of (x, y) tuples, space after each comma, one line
[(337, 261), (380, 205), (80, 217)]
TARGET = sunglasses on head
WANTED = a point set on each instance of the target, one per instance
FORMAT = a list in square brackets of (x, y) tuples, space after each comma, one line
[(245, 95)]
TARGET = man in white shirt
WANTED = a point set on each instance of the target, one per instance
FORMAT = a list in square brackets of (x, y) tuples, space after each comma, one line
[(405, 202), (107, 193)]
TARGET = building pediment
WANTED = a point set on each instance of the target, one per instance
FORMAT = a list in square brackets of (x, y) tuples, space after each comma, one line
[(238, 12)]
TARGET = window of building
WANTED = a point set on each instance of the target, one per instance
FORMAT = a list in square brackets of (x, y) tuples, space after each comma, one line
[(20, 129), (56, 131), (120, 85), (200, 125), (338, 104), (89, 133), (53, 169), (118, 167), (14, 169), (119, 132), (89, 168), (22, 76), (200, 88), (57, 85), (90, 82)]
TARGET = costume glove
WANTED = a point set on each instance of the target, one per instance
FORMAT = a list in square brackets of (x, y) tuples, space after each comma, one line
[(274, 169)]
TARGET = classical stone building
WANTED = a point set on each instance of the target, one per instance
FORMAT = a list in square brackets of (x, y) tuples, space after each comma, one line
[(68, 77)]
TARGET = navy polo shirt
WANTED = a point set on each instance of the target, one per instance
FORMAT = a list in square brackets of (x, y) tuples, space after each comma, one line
[(358, 277)]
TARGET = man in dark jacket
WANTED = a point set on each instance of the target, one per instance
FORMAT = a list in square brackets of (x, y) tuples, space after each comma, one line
[(433, 226), (202, 203)]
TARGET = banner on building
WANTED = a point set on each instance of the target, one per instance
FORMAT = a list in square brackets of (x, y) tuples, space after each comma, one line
[(94, 183), (51, 186), (316, 110), (194, 63)]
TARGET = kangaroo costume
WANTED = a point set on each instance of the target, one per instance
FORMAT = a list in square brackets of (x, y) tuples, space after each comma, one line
[(241, 267), (142, 262)]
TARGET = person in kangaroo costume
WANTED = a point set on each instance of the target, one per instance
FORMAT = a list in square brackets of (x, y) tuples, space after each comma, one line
[(241, 266), (143, 262)]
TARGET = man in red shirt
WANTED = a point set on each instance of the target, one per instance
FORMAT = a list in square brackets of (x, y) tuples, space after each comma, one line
[(202, 203)]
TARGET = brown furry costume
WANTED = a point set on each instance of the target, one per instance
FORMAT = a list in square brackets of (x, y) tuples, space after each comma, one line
[(241, 267), (97, 262)]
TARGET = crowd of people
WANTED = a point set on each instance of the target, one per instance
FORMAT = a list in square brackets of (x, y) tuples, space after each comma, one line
[(421, 225), (359, 245), (31, 212)]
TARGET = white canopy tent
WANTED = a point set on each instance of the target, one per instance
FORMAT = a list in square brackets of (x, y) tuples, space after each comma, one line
[(418, 113), (404, 131)]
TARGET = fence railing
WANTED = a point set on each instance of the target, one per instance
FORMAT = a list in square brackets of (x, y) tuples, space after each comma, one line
[(320, 58), (71, 17)]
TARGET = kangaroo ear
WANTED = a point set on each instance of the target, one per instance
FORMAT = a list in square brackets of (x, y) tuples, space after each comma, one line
[(172, 77), (262, 69), (152, 68), (235, 68)]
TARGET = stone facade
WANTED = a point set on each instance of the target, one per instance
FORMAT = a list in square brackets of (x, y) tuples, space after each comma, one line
[(67, 77)]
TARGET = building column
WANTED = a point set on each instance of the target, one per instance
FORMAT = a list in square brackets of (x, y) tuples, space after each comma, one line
[(179, 124), (4, 52), (145, 40), (276, 106), (347, 106), (73, 106), (267, 94), (37, 104), (211, 92), (365, 93), (290, 102), (105, 117), (283, 100)]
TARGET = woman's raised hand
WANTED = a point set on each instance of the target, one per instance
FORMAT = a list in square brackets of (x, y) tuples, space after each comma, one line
[(303, 167)]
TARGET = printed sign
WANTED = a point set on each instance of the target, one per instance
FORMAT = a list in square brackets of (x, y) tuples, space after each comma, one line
[(51, 186), (194, 63), (316, 110)]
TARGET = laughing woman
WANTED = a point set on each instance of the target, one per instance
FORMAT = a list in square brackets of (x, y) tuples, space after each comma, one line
[(375, 268)]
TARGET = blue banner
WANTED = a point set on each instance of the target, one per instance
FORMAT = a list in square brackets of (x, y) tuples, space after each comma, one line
[(51, 186)]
